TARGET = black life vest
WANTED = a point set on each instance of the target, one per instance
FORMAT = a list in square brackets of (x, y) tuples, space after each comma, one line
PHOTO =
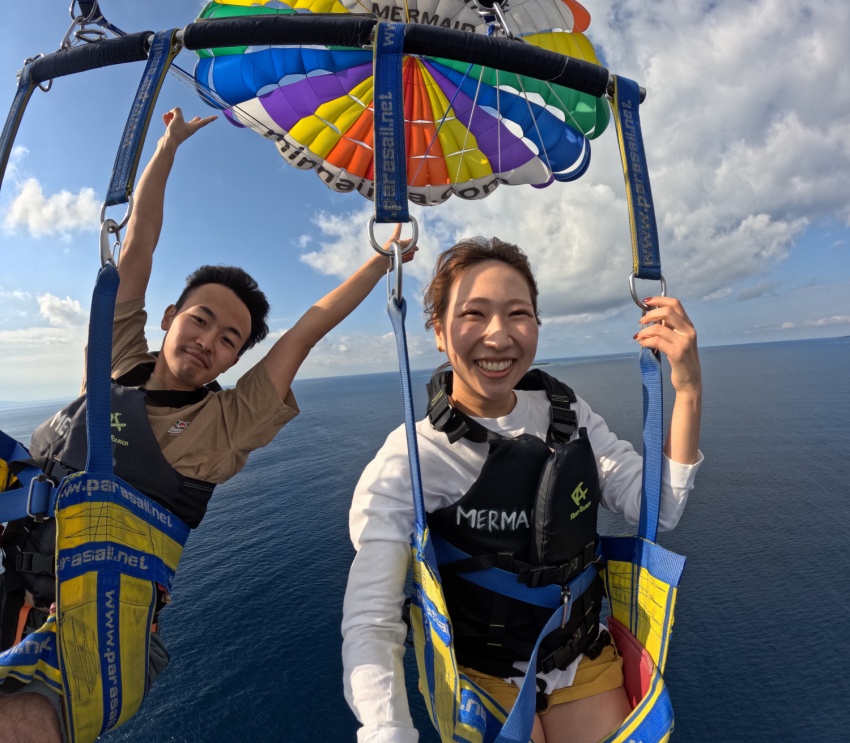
[(59, 446), (532, 511)]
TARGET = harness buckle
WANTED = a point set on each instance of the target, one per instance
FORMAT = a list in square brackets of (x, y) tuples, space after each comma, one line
[(562, 419), (34, 483), (35, 564)]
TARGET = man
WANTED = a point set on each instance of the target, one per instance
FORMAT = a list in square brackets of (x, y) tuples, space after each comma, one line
[(204, 437)]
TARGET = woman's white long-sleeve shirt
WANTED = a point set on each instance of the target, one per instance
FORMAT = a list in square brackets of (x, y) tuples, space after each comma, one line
[(381, 527)]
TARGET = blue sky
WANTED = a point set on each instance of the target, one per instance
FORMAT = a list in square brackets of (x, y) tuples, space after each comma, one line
[(748, 144)]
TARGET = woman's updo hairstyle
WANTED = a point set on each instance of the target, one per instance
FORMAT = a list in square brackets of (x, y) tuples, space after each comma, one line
[(458, 259)]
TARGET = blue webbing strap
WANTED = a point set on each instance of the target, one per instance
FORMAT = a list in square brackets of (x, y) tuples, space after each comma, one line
[(397, 313), (653, 434), (98, 371), (388, 122), (505, 582), (162, 53), (26, 86), (647, 265), (646, 255)]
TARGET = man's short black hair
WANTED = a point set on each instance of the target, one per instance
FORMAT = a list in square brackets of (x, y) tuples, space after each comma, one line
[(243, 286)]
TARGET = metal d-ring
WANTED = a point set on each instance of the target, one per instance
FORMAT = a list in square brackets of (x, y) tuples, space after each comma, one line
[(44, 85), (639, 302), (123, 223), (377, 246)]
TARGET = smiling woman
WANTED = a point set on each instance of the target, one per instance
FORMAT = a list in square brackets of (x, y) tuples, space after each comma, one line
[(484, 315), (514, 467)]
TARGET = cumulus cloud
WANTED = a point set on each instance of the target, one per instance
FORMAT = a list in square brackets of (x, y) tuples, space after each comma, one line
[(62, 313), (59, 214)]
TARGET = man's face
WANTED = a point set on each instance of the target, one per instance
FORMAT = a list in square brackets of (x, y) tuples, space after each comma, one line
[(203, 337)]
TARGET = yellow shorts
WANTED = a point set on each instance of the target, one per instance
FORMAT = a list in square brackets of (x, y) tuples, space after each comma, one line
[(592, 677)]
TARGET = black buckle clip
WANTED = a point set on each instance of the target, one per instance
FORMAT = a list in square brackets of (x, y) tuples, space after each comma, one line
[(562, 420), (40, 478)]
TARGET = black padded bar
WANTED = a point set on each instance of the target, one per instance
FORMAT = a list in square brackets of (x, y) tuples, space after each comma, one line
[(355, 31), (328, 29), (130, 48), (507, 55)]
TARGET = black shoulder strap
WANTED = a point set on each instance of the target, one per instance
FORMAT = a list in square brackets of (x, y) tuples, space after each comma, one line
[(445, 418), (456, 425), (140, 374), (562, 418)]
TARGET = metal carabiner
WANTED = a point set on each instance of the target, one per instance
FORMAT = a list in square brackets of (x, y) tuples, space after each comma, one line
[(394, 292), (108, 250), (84, 33)]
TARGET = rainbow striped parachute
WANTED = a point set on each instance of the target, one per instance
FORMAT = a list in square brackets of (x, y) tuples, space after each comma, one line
[(468, 128)]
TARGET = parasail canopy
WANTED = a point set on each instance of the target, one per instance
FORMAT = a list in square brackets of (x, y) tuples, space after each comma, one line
[(468, 128)]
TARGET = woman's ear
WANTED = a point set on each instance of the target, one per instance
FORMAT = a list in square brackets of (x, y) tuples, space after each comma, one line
[(438, 334)]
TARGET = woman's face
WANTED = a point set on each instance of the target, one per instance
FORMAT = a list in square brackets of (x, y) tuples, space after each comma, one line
[(489, 333)]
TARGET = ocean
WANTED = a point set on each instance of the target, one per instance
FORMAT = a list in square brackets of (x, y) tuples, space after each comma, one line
[(759, 651)]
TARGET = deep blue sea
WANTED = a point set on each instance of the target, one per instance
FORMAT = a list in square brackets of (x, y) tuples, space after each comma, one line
[(759, 651)]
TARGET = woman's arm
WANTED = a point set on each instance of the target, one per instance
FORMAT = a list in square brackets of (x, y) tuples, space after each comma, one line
[(667, 328), (381, 523)]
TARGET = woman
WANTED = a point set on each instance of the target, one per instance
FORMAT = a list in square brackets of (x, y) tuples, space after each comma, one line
[(482, 306)]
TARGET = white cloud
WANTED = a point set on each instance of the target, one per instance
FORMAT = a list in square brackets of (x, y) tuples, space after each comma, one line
[(15, 294), (41, 363), (62, 313), (18, 153), (820, 322), (28, 338), (59, 214)]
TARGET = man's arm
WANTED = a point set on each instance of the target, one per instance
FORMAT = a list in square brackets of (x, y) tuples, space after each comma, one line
[(289, 352), (136, 258)]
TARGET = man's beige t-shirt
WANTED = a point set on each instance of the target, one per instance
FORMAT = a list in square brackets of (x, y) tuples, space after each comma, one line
[(211, 439)]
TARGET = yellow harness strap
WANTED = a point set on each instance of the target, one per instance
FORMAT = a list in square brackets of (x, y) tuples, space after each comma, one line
[(459, 709), (113, 545), (7, 479)]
